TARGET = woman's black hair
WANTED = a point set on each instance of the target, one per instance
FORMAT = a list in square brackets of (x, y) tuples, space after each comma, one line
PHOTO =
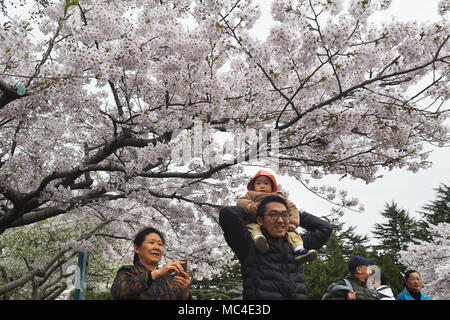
[(407, 273), (140, 237), (262, 205)]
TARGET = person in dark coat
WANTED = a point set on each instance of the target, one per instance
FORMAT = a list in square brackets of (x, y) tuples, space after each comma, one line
[(274, 274), (359, 271)]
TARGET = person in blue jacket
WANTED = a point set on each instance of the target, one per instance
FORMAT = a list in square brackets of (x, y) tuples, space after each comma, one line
[(413, 284)]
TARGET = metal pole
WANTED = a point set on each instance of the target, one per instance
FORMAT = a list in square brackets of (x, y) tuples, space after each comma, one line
[(81, 276)]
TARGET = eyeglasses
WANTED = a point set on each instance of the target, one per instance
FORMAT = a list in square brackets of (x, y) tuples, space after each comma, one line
[(273, 215)]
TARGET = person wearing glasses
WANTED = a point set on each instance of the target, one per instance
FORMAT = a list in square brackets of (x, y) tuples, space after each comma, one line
[(260, 186), (274, 274)]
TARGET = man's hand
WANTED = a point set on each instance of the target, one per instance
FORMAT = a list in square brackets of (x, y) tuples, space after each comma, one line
[(351, 295)]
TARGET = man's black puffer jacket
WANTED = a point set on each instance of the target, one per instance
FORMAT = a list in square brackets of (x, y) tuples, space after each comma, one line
[(275, 274)]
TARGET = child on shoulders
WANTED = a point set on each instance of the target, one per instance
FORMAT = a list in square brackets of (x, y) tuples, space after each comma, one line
[(260, 186)]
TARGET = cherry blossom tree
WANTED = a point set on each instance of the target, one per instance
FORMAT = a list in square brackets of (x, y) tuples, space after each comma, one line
[(432, 260), (100, 99)]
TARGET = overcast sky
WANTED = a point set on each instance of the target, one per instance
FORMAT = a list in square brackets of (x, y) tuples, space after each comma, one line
[(410, 191)]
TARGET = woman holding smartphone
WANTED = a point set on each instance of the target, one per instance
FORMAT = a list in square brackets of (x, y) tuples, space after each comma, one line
[(144, 280)]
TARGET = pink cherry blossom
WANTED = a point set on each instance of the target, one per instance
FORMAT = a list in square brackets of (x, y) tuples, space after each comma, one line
[(90, 148)]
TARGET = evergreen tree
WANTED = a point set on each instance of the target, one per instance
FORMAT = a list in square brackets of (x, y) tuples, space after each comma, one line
[(435, 212), (320, 274), (316, 279), (397, 233), (350, 243)]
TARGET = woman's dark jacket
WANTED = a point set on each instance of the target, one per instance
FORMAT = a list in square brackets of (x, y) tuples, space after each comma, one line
[(274, 274), (134, 282)]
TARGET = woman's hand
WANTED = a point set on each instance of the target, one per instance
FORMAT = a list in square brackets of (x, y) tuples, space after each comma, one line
[(169, 268), (183, 281)]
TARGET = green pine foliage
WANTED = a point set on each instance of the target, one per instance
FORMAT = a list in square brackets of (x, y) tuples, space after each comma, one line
[(397, 232), (320, 274), (435, 211)]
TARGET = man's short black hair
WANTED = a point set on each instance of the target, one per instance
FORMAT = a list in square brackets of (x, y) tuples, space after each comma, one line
[(407, 273), (262, 205)]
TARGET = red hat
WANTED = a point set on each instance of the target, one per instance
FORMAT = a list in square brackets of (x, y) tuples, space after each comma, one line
[(251, 183)]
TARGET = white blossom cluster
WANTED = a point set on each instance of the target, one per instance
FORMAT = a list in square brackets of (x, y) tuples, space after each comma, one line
[(432, 261), (108, 83)]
